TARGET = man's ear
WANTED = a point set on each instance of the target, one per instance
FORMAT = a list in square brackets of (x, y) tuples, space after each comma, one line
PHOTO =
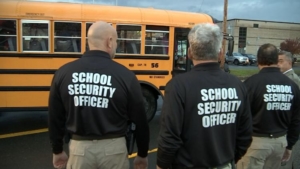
[(190, 55), (109, 42), (291, 63), (220, 54)]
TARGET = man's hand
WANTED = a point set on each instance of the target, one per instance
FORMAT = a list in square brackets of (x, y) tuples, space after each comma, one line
[(140, 163), (286, 155), (60, 160)]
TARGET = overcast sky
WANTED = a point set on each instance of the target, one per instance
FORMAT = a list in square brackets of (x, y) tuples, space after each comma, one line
[(269, 10)]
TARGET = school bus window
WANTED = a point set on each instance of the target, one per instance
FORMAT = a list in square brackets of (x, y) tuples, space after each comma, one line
[(8, 35), (35, 35), (67, 37), (129, 39), (157, 40)]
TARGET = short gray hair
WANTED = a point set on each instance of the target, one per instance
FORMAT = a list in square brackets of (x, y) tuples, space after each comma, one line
[(288, 55), (205, 41)]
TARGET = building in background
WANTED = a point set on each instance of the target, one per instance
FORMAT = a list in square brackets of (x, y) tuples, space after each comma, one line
[(250, 34)]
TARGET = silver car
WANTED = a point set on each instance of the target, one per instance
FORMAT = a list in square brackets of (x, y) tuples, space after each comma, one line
[(237, 59)]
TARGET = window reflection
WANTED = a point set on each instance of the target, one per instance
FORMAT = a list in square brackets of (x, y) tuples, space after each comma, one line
[(157, 40), (35, 35), (67, 37), (8, 35), (181, 54), (129, 39)]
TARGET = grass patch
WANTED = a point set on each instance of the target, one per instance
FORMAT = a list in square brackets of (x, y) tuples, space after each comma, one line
[(243, 72)]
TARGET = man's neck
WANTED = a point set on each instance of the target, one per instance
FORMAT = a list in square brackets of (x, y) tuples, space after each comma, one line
[(197, 62), (264, 66), (99, 47)]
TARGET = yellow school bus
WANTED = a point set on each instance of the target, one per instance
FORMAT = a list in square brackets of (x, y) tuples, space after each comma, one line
[(36, 38)]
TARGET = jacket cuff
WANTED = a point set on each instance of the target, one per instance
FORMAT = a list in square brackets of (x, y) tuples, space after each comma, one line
[(142, 154), (57, 149), (289, 147), (163, 160), (236, 159)]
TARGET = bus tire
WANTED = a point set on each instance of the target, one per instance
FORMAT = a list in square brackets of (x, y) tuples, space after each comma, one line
[(150, 103)]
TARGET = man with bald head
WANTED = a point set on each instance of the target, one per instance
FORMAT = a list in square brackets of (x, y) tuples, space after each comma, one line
[(102, 36), (94, 97)]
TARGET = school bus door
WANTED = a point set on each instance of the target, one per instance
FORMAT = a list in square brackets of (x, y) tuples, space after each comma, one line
[(181, 62)]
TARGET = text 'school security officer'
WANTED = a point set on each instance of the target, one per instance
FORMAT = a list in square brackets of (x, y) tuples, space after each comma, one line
[(275, 109), (94, 97), (206, 119)]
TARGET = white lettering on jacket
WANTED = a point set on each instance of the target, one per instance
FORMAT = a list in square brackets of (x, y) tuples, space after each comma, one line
[(219, 106), (91, 89)]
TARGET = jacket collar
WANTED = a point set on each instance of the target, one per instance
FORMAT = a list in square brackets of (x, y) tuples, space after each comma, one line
[(290, 72), (96, 53), (269, 69), (207, 66)]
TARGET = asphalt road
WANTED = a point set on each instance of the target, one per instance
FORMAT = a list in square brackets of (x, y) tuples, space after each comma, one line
[(24, 140)]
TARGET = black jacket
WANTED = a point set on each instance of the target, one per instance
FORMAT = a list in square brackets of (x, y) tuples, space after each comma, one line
[(205, 120), (95, 96), (275, 104)]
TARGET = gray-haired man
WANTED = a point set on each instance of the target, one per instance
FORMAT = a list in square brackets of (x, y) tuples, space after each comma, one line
[(285, 60), (206, 119), (285, 64)]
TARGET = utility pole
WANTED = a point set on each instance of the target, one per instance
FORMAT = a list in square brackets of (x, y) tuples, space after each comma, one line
[(224, 32)]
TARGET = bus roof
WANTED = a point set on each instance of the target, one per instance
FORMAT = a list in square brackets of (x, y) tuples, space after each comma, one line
[(91, 12)]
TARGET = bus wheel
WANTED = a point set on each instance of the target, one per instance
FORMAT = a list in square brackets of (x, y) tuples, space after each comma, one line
[(150, 103)]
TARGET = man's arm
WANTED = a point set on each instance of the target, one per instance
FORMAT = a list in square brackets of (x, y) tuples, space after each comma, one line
[(294, 127), (296, 79), (56, 117), (137, 115), (169, 140), (244, 129)]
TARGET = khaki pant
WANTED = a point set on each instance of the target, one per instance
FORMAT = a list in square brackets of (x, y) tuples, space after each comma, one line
[(228, 166), (294, 158), (264, 153), (98, 154)]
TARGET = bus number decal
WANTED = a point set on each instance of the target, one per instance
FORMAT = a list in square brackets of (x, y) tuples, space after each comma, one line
[(154, 65)]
